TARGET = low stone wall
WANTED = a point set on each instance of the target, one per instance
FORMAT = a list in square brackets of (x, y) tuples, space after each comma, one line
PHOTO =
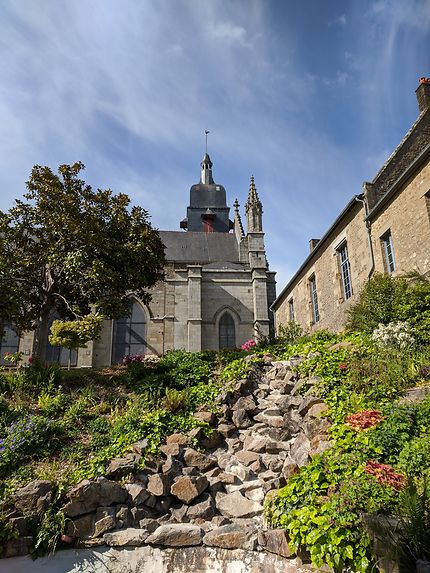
[(154, 560), (199, 492)]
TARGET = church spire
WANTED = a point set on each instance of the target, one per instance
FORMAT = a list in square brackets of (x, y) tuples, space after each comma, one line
[(238, 227), (254, 210), (206, 170)]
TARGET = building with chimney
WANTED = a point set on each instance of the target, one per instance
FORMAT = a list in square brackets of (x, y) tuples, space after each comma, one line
[(216, 293), (384, 229)]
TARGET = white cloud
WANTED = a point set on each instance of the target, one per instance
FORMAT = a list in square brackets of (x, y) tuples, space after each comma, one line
[(338, 21)]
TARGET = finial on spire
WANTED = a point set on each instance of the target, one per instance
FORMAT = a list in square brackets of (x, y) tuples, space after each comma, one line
[(206, 135), (254, 209), (236, 205)]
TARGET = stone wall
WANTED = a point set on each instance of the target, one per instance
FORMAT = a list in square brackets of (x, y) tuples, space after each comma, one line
[(200, 491)]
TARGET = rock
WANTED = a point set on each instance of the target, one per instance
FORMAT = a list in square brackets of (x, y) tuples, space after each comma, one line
[(17, 547), (319, 444), (236, 505), (300, 450), (315, 426), (274, 447), (289, 468), (81, 526), (159, 484), (126, 537), (173, 449), (205, 416), (187, 488), (198, 460), (179, 514), (34, 497), (286, 403), (148, 524), (87, 495), (227, 478), (256, 494), (176, 535), (212, 441), (233, 536), (246, 403), (255, 443), (120, 467), (180, 439), (124, 516), (307, 403), (227, 430), (137, 492), (241, 419), (205, 508), (140, 447), (105, 520), (172, 466), (247, 457), (24, 525), (317, 410), (275, 541)]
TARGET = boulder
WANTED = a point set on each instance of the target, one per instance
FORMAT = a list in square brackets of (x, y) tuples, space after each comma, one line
[(236, 505), (87, 495), (205, 508), (180, 439), (275, 541), (126, 537), (246, 403), (17, 547), (205, 416), (247, 457), (176, 535), (255, 443), (227, 430), (159, 484), (105, 520), (188, 488), (232, 536), (137, 492), (241, 419), (34, 497), (300, 450), (198, 460), (82, 526), (120, 467)]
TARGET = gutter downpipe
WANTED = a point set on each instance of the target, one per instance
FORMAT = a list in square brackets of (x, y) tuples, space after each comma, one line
[(369, 234)]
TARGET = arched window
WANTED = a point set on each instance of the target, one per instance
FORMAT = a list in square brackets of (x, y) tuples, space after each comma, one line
[(129, 333), (9, 343), (59, 354), (227, 331)]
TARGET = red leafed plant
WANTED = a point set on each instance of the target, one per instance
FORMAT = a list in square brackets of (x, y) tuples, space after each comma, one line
[(385, 474), (364, 420), (343, 366)]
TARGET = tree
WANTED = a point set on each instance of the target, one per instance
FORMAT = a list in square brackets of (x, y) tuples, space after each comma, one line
[(70, 249)]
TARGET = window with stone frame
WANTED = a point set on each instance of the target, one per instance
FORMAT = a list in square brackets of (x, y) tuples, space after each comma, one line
[(388, 252), (227, 331), (9, 343), (345, 270), (129, 333), (314, 299)]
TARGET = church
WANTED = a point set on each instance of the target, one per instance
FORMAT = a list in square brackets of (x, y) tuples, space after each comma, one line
[(216, 293)]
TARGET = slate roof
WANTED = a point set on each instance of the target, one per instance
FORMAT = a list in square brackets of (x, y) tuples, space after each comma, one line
[(200, 248)]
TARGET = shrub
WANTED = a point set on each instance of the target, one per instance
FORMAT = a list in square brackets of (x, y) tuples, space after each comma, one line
[(378, 303), (236, 370)]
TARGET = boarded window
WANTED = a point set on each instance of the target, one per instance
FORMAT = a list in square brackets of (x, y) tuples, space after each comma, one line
[(129, 334), (9, 343), (227, 331)]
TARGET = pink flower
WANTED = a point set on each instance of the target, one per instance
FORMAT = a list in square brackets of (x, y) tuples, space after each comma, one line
[(248, 345), (343, 366)]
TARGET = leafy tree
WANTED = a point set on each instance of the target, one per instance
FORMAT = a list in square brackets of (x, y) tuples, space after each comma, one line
[(70, 249)]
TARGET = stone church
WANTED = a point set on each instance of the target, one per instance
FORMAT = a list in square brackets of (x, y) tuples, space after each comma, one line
[(216, 293)]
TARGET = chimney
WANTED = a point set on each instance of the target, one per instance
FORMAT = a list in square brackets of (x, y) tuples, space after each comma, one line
[(423, 94), (312, 244)]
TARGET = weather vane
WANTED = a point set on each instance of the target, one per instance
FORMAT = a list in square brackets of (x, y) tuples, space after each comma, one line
[(206, 134)]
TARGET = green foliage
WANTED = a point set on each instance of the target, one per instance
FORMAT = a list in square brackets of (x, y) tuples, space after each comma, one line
[(7, 531), (414, 513), (73, 334), (68, 248), (378, 303), (48, 532), (414, 308), (235, 370)]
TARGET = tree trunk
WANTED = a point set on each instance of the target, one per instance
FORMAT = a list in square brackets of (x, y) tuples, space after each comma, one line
[(41, 337)]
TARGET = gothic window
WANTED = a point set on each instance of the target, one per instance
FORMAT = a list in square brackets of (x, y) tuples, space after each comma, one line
[(388, 252), (345, 271), (9, 343), (129, 333), (227, 331), (314, 299), (59, 354)]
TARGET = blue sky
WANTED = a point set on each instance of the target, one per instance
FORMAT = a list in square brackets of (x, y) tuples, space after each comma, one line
[(310, 97)]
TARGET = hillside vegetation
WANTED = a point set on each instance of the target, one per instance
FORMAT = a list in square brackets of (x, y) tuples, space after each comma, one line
[(66, 426)]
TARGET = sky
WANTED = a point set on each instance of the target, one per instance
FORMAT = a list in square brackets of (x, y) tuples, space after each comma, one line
[(310, 97)]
